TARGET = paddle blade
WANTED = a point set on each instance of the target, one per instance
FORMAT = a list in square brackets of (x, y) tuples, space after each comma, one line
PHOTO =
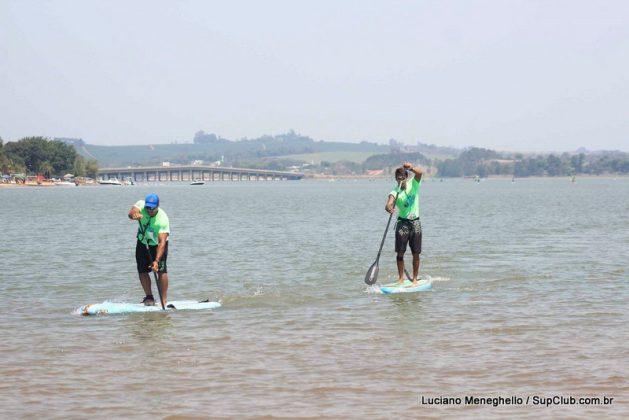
[(372, 274)]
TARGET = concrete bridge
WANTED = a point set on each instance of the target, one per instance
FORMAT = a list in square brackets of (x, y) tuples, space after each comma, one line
[(174, 173)]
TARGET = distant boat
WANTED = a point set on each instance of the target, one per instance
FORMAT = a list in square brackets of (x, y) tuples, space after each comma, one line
[(129, 181), (197, 182), (65, 184), (110, 181)]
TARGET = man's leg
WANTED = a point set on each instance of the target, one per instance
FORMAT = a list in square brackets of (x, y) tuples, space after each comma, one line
[(141, 259), (401, 240), (415, 268), (145, 280), (400, 266), (416, 248)]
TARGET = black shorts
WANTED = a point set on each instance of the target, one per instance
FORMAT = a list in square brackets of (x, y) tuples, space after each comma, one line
[(408, 231), (143, 261)]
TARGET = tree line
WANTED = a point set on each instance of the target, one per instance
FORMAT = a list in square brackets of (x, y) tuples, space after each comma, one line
[(41, 156), (471, 162), (38, 155), (484, 162)]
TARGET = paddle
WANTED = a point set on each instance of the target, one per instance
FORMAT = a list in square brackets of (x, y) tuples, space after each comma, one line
[(372, 274), (408, 276), (148, 252)]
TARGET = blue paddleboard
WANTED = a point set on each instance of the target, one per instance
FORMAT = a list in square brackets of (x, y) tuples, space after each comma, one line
[(111, 308), (406, 287)]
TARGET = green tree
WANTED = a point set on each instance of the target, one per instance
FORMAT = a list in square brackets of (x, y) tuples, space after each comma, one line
[(449, 168), (519, 168), (8, 165), (46, 168), (536, 166), (393, 160), (80, 166), (91, 168), (577, 162), (553, 165), (40, 155), (4, 161), (62, 156)]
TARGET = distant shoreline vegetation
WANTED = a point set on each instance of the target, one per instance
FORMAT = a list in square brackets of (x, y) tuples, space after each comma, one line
[(294, 152), (42, 156), (485, 162)]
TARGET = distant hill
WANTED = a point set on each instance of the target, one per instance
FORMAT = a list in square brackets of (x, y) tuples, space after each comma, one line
[(210, 148), (295, 151)]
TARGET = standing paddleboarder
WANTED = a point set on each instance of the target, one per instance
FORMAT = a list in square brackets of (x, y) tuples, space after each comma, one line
[(151, 250), (408, 228)]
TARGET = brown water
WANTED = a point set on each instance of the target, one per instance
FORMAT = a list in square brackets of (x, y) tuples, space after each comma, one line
[(529, 300)]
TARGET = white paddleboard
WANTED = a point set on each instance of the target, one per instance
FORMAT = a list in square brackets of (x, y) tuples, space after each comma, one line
[(125, 308), (406, 287)]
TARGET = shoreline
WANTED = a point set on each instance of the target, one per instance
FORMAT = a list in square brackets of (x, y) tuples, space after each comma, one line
[(323, 177), (471, 178), (42, 184)]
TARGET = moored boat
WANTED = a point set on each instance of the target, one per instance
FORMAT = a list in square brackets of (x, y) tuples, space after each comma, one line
[(110, 181)]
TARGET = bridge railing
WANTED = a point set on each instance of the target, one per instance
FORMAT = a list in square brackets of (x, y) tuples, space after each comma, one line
[(189, 173)]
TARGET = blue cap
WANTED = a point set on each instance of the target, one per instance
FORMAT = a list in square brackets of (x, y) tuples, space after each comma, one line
[(151, 201)]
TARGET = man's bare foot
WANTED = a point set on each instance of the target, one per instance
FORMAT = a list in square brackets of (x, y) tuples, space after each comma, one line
[(401, 281)]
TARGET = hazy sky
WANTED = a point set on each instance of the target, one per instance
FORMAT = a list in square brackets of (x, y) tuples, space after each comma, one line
[(507, 75)]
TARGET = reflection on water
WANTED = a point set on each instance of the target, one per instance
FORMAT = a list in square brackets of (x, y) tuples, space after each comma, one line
[(150, 328), (409, 304)]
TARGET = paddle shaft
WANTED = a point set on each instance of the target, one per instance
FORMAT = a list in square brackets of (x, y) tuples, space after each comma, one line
[(387, 228), (148, 252)]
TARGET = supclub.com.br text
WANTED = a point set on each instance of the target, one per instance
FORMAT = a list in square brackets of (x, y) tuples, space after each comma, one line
[(535, 400)]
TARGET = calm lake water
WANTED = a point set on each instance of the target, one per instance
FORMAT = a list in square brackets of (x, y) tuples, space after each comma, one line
[(530, 299)]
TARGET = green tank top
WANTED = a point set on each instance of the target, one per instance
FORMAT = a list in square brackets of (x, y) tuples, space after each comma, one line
[(408, 200)]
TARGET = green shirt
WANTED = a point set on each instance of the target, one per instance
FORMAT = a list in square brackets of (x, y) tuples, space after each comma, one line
[(408, 199), (152, 226)]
